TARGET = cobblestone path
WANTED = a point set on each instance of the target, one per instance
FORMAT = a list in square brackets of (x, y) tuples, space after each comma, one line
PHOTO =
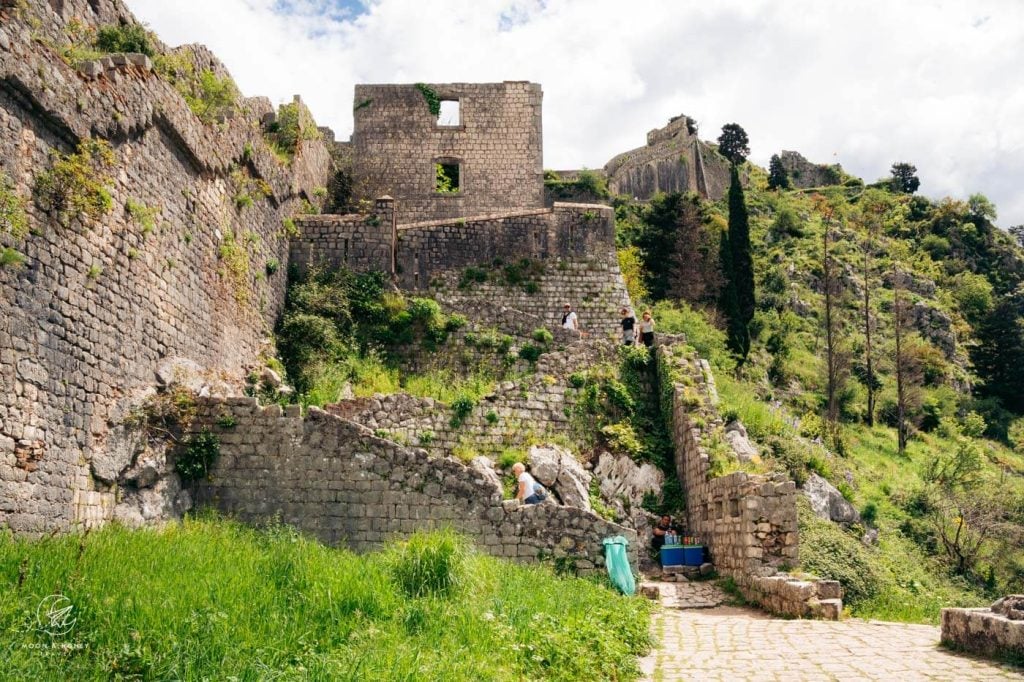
[(740, 644)]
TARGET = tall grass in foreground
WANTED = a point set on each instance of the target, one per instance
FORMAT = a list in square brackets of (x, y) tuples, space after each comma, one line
[(212, 599)]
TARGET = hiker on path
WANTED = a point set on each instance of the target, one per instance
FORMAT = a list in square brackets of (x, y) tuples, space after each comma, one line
[(628, 327), (647, 329)]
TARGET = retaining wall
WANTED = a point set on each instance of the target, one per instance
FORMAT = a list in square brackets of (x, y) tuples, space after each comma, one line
[(747, 521), (337, 481)]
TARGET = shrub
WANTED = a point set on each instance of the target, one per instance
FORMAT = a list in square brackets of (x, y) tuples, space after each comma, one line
[(577, 379), (78, 184), (209, 95), (234, 265), (9, 258), (472, 275), (126, 38), (530, 352), (829, 552), (622, 439), (543, 337), (143, 215), (272, 266), (200, 454), (492, 417), (462, 407), (431, 564), (13, 219), (293, 124)]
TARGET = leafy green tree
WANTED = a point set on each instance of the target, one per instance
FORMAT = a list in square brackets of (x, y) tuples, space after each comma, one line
[(904, 178), (999, 355), (733, 143), (778, 178)]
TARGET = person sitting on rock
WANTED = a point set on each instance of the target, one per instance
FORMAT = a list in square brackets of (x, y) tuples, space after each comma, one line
[(528, 490), (661, 529)]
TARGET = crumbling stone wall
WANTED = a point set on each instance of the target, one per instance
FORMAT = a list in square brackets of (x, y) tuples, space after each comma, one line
[(497, 145), (98, 304), (996, 632), (337, 481), (748, 522), (802, 173), (674, 160)]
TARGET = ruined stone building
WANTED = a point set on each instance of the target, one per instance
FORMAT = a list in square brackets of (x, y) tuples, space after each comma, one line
[(483, 141)]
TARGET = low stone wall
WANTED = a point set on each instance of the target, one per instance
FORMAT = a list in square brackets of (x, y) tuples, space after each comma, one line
[(747, 521), (790, 596), (338, 482), (984, 632), (356, 241)]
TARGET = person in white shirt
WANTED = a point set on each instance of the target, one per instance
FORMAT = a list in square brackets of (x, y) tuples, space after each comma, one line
[(569, 319), (528, 490)]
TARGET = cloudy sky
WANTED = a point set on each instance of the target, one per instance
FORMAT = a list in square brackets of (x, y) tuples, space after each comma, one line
[(860, 82)]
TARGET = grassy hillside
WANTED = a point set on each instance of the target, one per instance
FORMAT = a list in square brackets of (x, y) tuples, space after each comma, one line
[(211, 599), (949, 510)]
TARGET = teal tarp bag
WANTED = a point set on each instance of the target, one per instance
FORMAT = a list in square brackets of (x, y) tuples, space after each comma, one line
[(617, 562)]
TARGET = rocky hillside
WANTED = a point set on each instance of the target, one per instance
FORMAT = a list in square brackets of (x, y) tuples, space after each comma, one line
[(940, 522)]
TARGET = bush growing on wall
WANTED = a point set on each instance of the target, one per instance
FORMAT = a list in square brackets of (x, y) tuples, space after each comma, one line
[(78, 184)]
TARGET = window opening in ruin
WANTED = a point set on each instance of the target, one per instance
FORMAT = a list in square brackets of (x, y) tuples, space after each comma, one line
[(346, 252), (449, 114), (447, 178)]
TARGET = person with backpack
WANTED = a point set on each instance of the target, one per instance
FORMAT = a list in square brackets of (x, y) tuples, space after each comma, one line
[(528, 491)]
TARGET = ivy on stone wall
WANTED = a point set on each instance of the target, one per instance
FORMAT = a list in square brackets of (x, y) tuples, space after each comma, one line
[(432, 98)]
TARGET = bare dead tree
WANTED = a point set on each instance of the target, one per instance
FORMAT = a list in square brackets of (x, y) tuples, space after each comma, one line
[(867, 251)]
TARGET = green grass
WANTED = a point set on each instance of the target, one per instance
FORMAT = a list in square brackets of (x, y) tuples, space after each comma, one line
[(212, 599)]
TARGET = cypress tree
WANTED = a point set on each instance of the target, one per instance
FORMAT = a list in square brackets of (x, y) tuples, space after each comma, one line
[(741, 274), (728, 303)]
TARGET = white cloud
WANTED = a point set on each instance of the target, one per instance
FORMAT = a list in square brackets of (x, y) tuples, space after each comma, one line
[(934, 82)]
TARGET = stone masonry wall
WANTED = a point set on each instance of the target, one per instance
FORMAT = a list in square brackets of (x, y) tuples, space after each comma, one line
[(497, 145), (535, 407), (356, 241), (672, 161), (985, 632), (337, 481), (565, 231), (99, 304), (748, 522)]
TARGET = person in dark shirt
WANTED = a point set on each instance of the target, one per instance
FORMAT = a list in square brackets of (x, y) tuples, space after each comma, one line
[(661, 529), (628, 327)]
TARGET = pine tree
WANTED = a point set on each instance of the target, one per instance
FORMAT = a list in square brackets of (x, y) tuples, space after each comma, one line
[(778, 178), (742, 271), (734, 144)]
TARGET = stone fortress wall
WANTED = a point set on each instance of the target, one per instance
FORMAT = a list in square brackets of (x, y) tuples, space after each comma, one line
[(99, 304), (497, 145), (574, 242), (337, 481), (747, 521), (674, 160)]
